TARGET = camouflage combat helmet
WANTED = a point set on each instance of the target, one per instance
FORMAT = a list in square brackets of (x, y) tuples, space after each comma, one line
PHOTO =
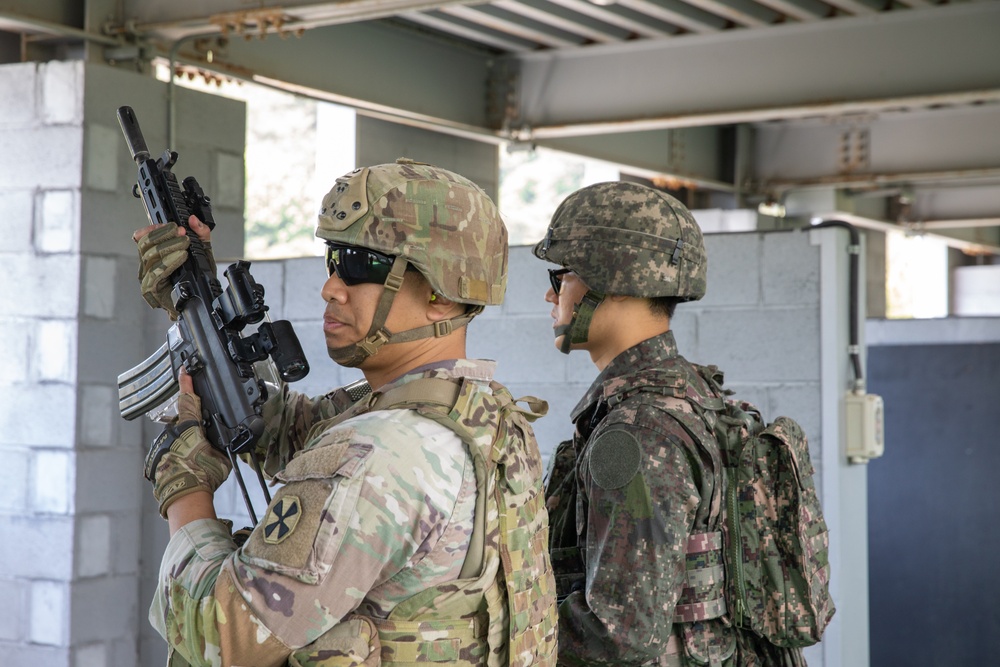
[(439, 222), (628, 239)]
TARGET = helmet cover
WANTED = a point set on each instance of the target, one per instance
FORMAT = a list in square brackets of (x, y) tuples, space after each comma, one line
[(442, 223), (628, 239)]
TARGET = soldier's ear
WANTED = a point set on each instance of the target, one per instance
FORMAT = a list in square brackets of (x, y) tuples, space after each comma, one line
[(440, 308)]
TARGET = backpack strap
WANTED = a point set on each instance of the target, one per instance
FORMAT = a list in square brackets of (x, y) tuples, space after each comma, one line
[(423, 391)]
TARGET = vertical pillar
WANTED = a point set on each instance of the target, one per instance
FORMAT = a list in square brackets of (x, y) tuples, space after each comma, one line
[(72, 500), (844, 485)]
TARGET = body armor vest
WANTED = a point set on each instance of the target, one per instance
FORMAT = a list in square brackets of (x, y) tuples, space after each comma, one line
[(501, 610)]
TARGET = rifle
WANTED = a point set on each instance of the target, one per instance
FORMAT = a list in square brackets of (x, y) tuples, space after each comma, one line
[(208, 338)]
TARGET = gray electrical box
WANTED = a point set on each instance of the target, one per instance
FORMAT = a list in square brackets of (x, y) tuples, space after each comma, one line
[(865, 430)]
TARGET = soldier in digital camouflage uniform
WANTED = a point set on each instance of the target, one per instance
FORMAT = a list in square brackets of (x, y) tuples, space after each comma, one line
[(411, 526), (634, 501)]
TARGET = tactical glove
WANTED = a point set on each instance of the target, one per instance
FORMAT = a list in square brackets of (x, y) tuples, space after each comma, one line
[(161, 252), (181, 460)]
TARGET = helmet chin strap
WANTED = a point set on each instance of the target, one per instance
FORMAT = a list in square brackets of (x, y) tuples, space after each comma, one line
[(353, 355), (578, 329)]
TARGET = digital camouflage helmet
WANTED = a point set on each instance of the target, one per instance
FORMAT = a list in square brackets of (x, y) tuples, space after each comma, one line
[(626, 239), (430, 218)]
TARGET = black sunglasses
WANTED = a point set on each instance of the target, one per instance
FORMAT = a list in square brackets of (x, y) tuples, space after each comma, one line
[(556, 280), (356, 265)]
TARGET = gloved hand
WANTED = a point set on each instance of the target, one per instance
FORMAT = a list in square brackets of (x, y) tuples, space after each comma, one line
[(181, 460), (162, 250)]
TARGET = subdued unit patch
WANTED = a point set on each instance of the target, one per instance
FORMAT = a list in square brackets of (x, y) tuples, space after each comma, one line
[(281, 519), (615, 458)]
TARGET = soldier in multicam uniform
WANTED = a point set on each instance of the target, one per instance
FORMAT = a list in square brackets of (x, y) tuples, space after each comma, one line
[(634, 501), (411, 526)]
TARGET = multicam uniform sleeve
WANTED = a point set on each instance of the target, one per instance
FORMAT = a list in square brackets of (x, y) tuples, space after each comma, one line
[(289, 416), (639, 503), (370, 511)]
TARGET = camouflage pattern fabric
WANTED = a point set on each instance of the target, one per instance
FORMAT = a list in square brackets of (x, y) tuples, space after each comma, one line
[(779, 539), (649, 540), (628, 239), (376, 509), (441, 222)]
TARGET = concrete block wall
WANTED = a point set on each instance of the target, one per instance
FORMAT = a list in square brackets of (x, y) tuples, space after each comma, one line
[(41, 131), (74, 511)]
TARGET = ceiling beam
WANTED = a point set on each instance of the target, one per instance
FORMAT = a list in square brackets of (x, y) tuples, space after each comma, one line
[(926, 52)]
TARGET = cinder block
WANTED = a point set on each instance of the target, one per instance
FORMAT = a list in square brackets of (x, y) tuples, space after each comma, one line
[(122, 651), (93, 546), (62, 92), (108, 352), (29, 655), (530, 361), (769, 345), (101, 157), (17, 87), (204, 119), (100, 278), (17, 208), (126, 536), (55, 351), (37, 547), (53, 487), (15, 332), (580, 369), (98, 407), (684, 324), (56, 430), (527, 282), (108, 219), (48, 619), (115, 620), (790, 269), (58, 221), (91, 655), (42, 157), (229, 178), (47, 286), (733, 270), (12, 610), (14, 480), (802, 403), (304, 280), (108, 480)]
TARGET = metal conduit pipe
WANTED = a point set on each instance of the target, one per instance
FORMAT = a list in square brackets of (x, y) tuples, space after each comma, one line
[(18, 23), (854, 252), (970, 223), (969, 247)]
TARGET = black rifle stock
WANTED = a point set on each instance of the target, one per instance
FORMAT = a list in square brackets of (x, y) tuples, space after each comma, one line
[(207, 339)]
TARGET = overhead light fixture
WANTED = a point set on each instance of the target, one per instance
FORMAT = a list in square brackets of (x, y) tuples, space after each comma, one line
[(771, 208)]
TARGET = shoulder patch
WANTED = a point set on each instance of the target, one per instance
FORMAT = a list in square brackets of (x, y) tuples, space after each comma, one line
[(615, 458), (281, 519)]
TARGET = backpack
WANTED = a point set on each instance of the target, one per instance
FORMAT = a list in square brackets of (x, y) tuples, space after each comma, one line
[(776, 544)]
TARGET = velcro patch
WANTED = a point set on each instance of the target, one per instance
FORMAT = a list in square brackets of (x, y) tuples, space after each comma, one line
[(615, 458), (282, 518)]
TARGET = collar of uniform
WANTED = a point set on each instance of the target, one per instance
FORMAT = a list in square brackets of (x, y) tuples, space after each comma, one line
[(647, 354), (477, 369)]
